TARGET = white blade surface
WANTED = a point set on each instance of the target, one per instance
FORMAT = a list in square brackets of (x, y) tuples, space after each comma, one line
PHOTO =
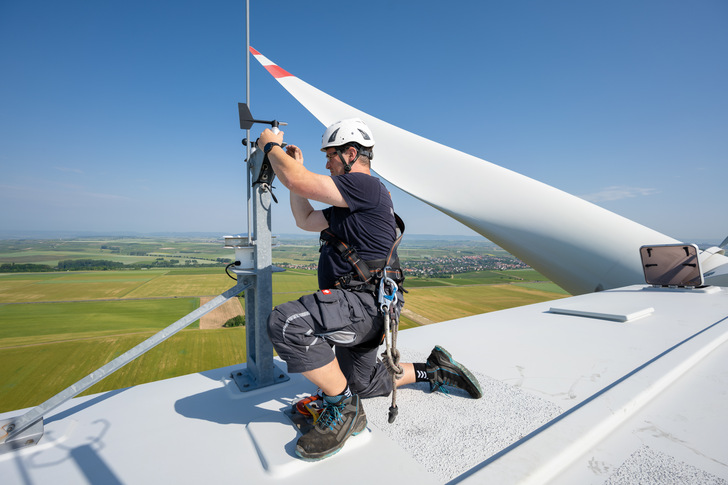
[(576, 244)]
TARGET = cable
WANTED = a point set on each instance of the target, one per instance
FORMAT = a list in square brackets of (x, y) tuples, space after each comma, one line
[(235, 263)]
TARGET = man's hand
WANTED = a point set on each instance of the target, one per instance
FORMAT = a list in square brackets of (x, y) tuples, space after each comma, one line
[(301, 182), (294, 152), (268, 136)]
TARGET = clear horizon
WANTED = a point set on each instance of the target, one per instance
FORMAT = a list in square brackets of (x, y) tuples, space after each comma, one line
[(70, 235)]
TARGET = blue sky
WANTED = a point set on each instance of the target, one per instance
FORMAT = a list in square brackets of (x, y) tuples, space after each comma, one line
[(122, 116)]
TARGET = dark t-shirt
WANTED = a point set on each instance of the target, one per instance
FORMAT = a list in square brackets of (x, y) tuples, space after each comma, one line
[(367, 224)]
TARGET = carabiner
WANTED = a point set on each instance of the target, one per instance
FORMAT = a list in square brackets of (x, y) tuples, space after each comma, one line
[(386, 300)]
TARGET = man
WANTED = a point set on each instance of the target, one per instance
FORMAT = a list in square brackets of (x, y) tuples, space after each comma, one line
[(339, 315)]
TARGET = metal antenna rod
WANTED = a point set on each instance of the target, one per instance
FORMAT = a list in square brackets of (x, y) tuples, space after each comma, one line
[(247, 101)]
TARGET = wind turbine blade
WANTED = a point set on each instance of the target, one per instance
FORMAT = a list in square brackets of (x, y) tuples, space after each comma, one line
[(576, 244)]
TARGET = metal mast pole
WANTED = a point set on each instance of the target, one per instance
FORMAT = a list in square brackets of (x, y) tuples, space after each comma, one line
[(247, 101), (260, 371)]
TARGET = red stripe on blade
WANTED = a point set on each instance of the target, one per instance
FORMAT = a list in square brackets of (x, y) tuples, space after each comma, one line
[(277, 72), (254, 52)]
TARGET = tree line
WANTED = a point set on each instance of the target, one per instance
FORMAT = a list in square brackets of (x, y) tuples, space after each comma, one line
[(93, 265)]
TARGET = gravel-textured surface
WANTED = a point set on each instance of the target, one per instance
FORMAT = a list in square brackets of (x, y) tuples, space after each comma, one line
[(649, 466), (449, 434)]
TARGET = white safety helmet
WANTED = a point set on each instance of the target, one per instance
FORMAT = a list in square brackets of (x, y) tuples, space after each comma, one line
[(352, 130)]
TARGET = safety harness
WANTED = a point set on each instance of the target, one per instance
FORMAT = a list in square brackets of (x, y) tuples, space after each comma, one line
[(366, 274), (382, 278)]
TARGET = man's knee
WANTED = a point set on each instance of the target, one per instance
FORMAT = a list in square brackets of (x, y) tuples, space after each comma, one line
[(380, 386), (288, 320)]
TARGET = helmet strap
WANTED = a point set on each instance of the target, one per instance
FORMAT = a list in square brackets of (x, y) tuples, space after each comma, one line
[(347, 166)]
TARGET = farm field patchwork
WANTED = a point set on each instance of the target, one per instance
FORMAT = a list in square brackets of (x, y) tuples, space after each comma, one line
[(64, 325)]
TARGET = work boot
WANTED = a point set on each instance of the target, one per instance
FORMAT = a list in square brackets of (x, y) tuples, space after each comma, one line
[(443, 370), (333, 427)]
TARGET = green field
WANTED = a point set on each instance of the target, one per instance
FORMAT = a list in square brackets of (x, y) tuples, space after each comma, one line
[(55, 322), (55, 328), (37, 287), (31, 374)]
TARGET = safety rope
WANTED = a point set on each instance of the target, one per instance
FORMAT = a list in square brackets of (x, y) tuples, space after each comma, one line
[(388, 306)]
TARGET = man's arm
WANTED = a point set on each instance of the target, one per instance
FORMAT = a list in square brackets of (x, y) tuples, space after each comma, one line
[(307, 218), (299, 180)]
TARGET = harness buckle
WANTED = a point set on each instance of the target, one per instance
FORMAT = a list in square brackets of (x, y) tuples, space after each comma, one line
[(348, 252)]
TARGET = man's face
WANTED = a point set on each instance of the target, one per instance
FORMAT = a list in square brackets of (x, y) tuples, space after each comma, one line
[(333, 162)]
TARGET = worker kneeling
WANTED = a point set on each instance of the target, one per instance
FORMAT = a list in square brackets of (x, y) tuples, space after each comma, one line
[(332, 336)]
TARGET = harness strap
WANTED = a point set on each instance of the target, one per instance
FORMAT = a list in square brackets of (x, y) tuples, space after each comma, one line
[(400, 229), (351, 282), (348, 253), (364, 271)]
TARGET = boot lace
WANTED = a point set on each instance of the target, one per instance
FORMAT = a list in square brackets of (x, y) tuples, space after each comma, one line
[(330, 416)]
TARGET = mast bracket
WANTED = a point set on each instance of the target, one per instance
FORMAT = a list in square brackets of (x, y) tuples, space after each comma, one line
[(26, 437)]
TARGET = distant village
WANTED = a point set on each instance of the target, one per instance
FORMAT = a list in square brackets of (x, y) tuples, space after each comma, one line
[(445, 267)]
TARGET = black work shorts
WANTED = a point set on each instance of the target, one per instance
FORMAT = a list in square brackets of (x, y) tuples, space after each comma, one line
[(304, 333)]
